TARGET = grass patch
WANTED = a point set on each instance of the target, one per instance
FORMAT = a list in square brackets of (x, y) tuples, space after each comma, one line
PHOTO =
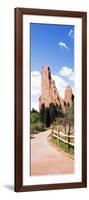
[(65, 147)]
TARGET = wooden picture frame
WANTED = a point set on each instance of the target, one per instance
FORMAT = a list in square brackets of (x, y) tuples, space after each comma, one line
[(19, 12)]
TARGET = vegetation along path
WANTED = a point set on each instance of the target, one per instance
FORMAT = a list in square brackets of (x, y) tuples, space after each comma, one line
[(45, 160)]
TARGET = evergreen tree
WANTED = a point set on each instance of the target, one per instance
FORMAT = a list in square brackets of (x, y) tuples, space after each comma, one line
[(53, 112), (34, 111), (47, 119), (42, 112)]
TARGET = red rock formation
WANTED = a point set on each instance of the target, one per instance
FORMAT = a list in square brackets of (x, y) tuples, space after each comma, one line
[(49, 92), (68, 96)]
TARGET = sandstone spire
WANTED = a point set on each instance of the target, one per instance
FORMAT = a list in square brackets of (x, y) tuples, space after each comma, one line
[(49, 92)]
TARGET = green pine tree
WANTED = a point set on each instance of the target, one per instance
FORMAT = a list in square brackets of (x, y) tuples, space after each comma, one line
[(47, 119), (53, 112), (42, 112)]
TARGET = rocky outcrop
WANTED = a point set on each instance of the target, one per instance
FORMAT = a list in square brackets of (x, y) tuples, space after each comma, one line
[(69, 97), (49, 92)]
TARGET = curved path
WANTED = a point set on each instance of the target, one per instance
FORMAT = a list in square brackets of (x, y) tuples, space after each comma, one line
[(45, 160)]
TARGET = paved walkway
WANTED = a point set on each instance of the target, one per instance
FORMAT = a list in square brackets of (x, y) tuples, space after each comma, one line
[(45, 160)]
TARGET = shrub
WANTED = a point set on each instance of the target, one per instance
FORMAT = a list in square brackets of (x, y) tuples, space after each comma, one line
[(37, 127), (34, 117)]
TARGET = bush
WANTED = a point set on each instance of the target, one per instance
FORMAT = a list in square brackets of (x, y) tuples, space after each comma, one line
[(33, 129), (37, 127), (34, 117), (59, 120)]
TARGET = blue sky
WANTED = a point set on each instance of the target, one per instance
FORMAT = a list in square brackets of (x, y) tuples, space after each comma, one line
[(53, 45), (45, 48)]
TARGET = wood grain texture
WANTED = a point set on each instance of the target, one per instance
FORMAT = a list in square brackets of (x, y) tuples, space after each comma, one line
[(18, 100)]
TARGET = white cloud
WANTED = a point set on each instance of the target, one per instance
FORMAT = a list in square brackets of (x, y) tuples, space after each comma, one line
[(71, 34), (35, 89), (71, 77), (35, 73), (67, 72), (62, 44)]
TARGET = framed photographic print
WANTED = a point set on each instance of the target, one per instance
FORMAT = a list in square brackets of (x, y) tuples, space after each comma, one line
[(50, 99)]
